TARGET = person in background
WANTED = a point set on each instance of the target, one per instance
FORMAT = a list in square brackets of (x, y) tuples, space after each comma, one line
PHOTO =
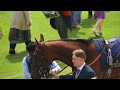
[(76, 19), (19, 29), (90, 15), (83, 71), (62, 23), (27, 61), (97, 30)]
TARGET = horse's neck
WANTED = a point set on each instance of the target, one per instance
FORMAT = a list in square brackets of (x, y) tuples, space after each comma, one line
[(62, 51), (91, 53)]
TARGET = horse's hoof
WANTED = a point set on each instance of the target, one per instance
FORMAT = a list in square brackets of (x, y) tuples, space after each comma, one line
[(12, 51)]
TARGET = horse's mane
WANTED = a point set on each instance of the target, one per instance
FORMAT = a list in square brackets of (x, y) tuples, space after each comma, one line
[(85, 41)]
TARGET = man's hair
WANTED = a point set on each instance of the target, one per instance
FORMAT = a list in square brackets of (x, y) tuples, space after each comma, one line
[(31, 46), (80, 53)]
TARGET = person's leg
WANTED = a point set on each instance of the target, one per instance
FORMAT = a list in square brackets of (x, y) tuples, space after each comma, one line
[(96, 26), (64, 29), (90, 14), (80, 17), (76, 19), (100, 26), (95, 29), (12, 48), (61, 27), (59, 23)]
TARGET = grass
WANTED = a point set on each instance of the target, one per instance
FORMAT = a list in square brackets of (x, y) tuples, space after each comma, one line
[(11, 65)]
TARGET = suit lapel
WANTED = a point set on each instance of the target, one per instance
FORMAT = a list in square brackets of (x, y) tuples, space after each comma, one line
[(82, 73)]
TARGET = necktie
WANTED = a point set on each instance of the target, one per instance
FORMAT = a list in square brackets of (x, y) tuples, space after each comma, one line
[(77, 73)]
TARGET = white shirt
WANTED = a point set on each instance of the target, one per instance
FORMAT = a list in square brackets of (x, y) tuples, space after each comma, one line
[(80, 68), (54, 66), (25, 68)]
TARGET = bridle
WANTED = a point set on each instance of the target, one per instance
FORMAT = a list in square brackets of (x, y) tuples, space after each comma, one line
[(41, 56)]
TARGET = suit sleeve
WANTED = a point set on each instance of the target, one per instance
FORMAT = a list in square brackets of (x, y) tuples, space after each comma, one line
[(90, 75)]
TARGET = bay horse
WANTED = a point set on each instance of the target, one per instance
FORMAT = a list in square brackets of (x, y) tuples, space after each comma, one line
[(48, 51)]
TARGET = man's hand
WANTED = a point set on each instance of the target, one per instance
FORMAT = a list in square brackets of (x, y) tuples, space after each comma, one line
[(29, 24), (55, 75)]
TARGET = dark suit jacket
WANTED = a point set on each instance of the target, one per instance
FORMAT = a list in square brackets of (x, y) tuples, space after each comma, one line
[(86, 73)]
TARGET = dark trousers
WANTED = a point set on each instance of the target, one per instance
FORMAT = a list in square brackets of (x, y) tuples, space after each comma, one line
[(13, 45), (90, 13), (63, 24)]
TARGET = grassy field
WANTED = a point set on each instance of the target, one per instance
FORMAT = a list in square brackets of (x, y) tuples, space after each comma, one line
[(11, 65)]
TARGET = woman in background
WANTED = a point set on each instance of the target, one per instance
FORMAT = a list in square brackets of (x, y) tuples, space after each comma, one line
[(97, 30), (19, 29)]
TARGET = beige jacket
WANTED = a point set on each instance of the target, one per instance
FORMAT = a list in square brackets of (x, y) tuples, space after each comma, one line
[(21, 20)]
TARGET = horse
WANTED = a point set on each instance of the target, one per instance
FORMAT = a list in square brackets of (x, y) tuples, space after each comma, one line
[(46, 52)]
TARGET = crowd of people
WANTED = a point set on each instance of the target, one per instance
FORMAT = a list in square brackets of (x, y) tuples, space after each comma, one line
[(20, 32), (73, 19)]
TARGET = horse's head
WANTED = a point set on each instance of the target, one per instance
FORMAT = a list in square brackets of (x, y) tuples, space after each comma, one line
[(40, 64)]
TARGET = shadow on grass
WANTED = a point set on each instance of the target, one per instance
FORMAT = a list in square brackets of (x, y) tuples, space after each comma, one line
[(96, 37), (18, 57), (88, 23), (74, 32)]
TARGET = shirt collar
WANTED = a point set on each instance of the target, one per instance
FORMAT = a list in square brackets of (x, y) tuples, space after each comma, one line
[(80, 68)]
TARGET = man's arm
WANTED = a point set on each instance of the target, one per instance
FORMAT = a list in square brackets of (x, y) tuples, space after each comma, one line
[(56, 76), (55, 67), (25, 69), (28, 17)]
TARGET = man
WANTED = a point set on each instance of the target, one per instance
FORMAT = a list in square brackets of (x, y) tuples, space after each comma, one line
[(27, 61), (83, 71)]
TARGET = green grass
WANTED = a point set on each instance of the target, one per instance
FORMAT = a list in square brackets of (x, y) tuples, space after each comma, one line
[(11, 65)]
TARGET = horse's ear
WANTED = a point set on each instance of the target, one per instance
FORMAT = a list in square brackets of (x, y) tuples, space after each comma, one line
[(36, 40), (41, 38)]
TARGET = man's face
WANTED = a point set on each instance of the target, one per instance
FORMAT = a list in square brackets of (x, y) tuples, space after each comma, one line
[(77, 61)]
